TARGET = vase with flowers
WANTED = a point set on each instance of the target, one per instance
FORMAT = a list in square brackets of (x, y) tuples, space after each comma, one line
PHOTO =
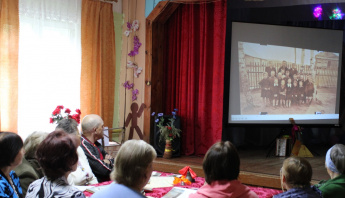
[(168, 131), (60, 113)]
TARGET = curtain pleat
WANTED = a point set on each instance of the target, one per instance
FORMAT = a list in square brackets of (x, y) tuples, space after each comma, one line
[(9, 38), (98, 60), (194, 73)]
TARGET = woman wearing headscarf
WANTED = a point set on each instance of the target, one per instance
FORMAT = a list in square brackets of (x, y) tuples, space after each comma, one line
[(335, 165)]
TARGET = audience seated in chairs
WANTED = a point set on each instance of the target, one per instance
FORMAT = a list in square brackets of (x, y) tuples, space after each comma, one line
[(221, 167), (58, 157), (83, 175), (11, 155), (335, 165), (30, 170), (132, 171), (100, 161), (295, 177)]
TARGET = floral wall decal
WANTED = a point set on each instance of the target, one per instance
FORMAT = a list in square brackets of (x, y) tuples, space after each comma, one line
[(128, 86), (132, 26), (137, 70), (137, 45), (134, 94)]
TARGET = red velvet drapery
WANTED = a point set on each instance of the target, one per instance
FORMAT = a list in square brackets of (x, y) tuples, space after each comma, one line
[(194, 72)]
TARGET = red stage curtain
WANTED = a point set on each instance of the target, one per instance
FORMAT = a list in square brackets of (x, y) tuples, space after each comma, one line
[(194, 72)]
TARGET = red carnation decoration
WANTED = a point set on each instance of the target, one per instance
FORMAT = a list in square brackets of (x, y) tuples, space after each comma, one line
[(68, 111), (60, 106), (57, 114)]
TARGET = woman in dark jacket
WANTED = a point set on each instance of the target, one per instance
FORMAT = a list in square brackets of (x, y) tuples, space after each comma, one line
[(29, 170)]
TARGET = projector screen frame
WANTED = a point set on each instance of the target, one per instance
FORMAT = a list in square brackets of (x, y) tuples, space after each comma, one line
[(253, 15)]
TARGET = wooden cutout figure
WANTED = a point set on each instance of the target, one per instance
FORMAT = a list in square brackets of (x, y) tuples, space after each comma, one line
[(134, 117)]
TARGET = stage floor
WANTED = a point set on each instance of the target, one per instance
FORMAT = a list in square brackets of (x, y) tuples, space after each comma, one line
[(256, 168)]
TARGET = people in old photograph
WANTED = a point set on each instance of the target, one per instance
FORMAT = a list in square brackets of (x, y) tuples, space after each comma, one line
[(285, 80)]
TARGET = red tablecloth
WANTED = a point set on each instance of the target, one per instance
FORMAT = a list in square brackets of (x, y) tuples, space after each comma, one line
[(199, 181)]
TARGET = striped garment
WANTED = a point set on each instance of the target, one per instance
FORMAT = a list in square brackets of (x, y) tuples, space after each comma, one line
[(44, 188), (101, 169)]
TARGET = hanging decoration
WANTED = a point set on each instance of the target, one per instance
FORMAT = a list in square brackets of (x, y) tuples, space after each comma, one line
[(135, 92), (127, 85), (134, 26), (137, 45), (137, 70)]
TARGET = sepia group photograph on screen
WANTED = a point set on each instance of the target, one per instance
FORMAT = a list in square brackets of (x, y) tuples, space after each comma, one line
[(282, 72), (280, 80)]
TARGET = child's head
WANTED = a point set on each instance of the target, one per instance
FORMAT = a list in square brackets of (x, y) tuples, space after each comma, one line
[(275, 80), (265, 75), (309, 78), (289, 80), (295, 83), (287, 73), (296, 173), (301, 77), (282, 83), (273, 73), (300, 83), (284, 63), (293, 66)]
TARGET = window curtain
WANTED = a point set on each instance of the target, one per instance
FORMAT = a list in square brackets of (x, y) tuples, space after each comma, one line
[(9, 38), (194, 72), (49, 61), (98, 60)]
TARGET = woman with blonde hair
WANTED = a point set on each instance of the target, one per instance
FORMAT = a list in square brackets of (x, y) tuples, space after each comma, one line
[(132, 170), (295, 177)]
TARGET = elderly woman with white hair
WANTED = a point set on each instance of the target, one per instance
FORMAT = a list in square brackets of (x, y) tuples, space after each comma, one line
[(132, 170), (335, 165)]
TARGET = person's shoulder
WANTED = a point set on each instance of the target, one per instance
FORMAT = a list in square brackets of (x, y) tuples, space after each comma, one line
[(25, 169), (117, 189)]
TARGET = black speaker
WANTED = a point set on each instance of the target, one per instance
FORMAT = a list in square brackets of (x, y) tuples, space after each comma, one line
[(160, 145)]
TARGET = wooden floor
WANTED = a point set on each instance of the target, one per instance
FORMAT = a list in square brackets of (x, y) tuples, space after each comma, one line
[(256, 168)]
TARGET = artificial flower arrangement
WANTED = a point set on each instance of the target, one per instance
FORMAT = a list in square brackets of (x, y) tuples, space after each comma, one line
[(59, 114), (168, 131), (187, 176)]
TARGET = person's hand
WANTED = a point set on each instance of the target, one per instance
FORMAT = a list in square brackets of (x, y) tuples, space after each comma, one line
[(107, 161), (108, 157)]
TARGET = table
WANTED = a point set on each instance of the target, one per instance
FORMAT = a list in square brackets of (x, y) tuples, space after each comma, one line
[(199, 181)]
